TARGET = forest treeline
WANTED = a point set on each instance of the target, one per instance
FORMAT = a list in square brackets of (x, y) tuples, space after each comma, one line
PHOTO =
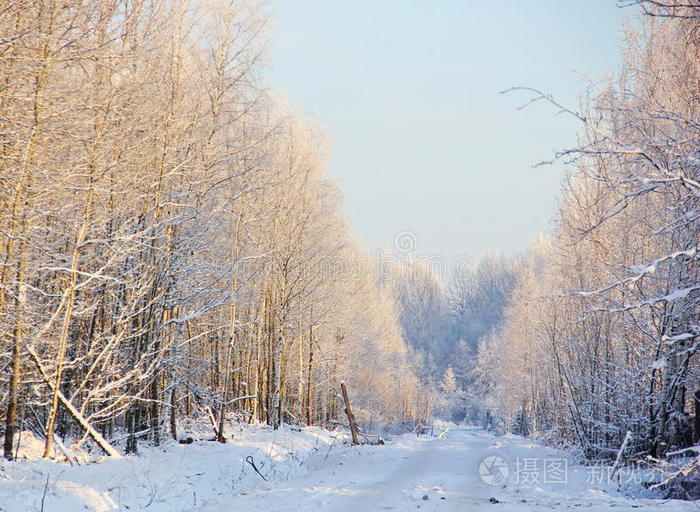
[(600, 338), (590, 339), (171, 250), (171, 247)]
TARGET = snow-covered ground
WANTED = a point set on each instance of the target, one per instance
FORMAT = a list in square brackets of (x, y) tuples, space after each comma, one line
[(312, 470)]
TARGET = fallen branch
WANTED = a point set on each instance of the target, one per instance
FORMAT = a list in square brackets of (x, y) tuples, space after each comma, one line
[(94, 434)]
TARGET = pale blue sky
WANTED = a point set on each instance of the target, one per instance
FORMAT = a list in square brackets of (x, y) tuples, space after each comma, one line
[(421, 138)]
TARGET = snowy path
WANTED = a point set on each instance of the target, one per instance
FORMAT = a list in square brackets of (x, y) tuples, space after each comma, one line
[(310, 470), (387, 478), (400, 475)]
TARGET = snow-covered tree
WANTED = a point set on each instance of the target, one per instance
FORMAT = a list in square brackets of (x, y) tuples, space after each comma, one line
[(602, 339)]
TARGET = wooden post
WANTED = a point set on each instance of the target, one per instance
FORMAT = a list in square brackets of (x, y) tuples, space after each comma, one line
[(348, 411)]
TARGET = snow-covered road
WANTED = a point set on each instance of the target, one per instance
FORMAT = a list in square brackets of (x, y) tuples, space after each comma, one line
[(434, 474), (396, 476), (313, 470)]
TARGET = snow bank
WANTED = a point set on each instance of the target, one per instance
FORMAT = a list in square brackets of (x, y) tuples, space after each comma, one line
[(201, 476)]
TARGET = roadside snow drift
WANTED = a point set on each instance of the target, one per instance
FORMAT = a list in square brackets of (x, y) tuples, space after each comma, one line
[(310, 470)]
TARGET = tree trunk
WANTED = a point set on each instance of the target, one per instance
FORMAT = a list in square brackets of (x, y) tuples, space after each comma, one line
[(11, 425), (309, 380), (696, 419), (67, 319), (277, 383)]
